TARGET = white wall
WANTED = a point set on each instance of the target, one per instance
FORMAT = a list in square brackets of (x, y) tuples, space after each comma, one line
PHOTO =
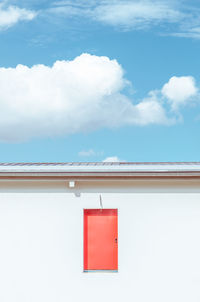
[(41, 239)]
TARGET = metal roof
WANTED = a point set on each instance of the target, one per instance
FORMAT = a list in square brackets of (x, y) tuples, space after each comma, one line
[(103, 169), (124, 163)]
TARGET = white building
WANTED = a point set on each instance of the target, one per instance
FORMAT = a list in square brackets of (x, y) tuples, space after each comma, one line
[(47, 253)]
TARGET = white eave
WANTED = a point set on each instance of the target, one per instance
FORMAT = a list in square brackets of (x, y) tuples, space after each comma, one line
[(100, 169)]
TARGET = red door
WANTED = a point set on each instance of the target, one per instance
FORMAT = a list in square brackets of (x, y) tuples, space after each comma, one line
[(100, 239)]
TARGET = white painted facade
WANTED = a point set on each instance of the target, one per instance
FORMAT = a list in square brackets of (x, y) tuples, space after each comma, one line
[(41, 236)]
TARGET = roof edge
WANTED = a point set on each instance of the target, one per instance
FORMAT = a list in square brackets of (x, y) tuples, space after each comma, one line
[(101, 175)]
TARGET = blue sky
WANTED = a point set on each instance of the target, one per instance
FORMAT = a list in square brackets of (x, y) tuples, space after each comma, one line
[(95, 80)]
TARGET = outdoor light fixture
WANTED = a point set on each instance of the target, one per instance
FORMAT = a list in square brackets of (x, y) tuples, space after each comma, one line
[(71, 184)]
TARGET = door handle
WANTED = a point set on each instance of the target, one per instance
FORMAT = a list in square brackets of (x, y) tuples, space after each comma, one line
[(115, 240)]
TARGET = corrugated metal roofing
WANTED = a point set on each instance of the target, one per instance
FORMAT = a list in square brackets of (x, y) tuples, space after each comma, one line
[(99, 163), (99, 167)]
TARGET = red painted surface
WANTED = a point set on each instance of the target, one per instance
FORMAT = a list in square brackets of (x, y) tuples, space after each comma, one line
[(100, 239)]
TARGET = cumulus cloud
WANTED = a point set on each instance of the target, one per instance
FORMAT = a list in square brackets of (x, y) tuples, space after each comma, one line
[(69, 97), (151, 111), (179, 90), (113, 159), (10, 15)]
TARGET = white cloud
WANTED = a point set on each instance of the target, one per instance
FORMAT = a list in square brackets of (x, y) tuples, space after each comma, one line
[(10, 15), (171, 17), (129, 14), (191, 32), (87, 153), (71, 96), (90, 153), (150, 111), (113, 159), (136, 14), (179, 90)]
